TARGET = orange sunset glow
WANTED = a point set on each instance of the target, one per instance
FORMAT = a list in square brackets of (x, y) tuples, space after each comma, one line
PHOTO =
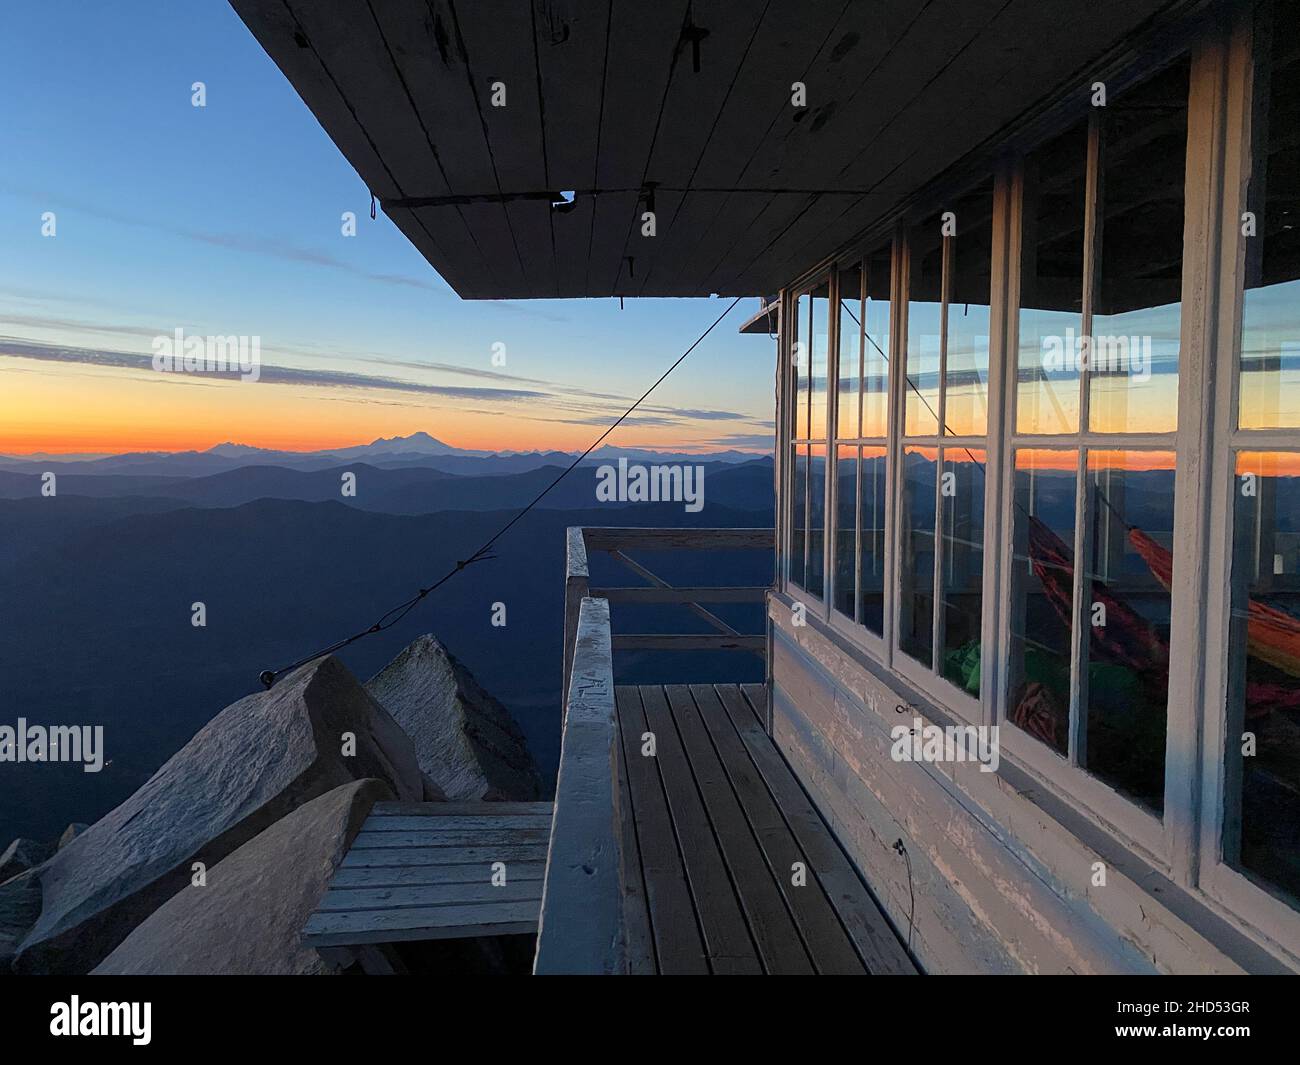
[(83, 409)]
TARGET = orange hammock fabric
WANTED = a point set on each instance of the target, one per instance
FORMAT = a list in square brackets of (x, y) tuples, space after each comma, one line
[(1271, 635)]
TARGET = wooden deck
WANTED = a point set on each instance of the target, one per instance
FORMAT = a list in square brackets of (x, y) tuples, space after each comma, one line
[(425, 871), (729, 868)]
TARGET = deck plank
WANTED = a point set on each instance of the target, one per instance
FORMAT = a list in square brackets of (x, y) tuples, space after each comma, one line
[(349, 900), (679, 948), (416, 875), (417, 923), (380, 857), (415, 823), (723, 927), (780, 946), (486, 836), (829, 946), (460, 809), (756, 699), (420, 871), (862, 918)]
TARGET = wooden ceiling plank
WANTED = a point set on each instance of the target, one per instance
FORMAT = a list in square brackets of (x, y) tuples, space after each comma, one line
[(796, 150), (374, 95), (790, 39), (572, 45), (274, 27), (720, 36), (500, 48), (1005, 58), (1011, 46), (421, 38), (643, 40)]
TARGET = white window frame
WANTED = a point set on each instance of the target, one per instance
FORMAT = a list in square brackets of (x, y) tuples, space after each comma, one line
[(1186, 842), (876, 645), (814, 605), (1230, 887)]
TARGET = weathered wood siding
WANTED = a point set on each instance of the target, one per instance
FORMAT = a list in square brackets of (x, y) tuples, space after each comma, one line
[(998, 884)]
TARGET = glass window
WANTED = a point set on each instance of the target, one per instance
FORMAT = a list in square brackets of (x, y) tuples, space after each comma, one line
[(1261, 827), (863, 418), (875, 365), (871, 544), (924, 328), (1263, 743), (820, 348), (943, 481), (966, 339), (846, 545), (849, 402), (799, 362), (799, 514), (816, 582), (809, 387), (1042, 595), (917, 554), (961, 586), (1137, 301), (1129, 577), (1055, 187), (1090, 679), (1269, 381)]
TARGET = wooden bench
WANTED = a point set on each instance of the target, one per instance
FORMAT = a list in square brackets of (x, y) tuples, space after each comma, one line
[(430, 870)]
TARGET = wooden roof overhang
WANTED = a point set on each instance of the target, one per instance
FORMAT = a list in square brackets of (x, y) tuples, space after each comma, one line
[(681, 107)]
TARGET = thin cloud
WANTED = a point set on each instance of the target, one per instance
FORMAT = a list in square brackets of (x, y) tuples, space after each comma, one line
[(272, 247), (281, 375)]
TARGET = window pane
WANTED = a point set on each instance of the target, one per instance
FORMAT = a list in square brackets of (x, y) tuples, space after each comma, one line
[(916, 566), (1042, 595), (850, 371), (1270, 334), (1051, 284), (871, 604), (1137, 310), (799, 365), (963, 565), (875, 371), (846, 509), (1264, 676), (798, 513), (818, 369), (966, 372), (1130, 573), (921, 405), (816, 519)]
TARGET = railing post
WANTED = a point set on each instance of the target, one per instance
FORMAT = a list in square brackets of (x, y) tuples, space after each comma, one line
[(577, 583), (581, 929)]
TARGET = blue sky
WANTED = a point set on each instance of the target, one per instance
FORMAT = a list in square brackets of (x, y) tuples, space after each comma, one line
[(225, 219)]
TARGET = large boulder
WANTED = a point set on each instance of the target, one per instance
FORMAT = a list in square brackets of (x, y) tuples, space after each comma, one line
[(20, 905), (466, 741), (21, 855), (256, 761), (249, 916)]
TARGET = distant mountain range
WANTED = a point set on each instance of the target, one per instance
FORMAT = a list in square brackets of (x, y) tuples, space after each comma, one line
[(418, 449), (97, 582)]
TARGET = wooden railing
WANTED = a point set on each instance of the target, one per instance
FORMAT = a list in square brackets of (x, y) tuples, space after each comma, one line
[(616, 542), (582, 926), (581, 929)]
